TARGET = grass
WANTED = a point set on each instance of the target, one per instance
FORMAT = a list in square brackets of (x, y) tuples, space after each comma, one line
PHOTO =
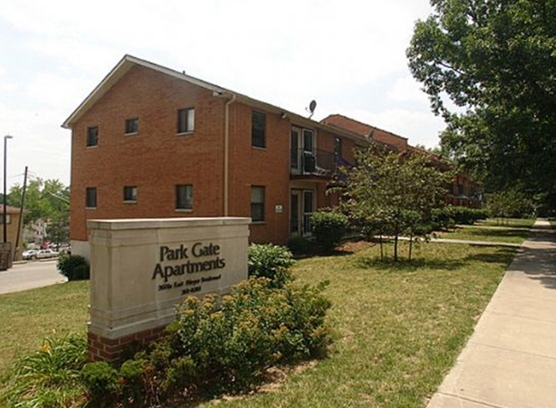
[(511, 235), (508, 222), (28, 317), (398, 328)]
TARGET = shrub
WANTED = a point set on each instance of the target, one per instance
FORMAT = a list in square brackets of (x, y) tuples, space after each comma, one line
[(441, 218), (467, 216), (101, 381), (328, 228), (300, 246), (50, 376), (270, 261), (74, 267), (227, 346)]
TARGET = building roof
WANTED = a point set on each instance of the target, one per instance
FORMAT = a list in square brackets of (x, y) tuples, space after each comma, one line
[(10, 209), (129, 61), (365, 130)]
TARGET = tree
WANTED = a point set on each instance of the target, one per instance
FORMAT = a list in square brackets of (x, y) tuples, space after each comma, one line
[(391, 191), (44, 199), (495, 61)]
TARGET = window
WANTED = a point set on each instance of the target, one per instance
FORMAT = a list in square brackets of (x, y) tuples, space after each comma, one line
[(131, 125), (337, 148), (257, 204), (8, 219), (91, 197), (92, 136), (184, 197), (258, 125), (186, 120), (130, 193)]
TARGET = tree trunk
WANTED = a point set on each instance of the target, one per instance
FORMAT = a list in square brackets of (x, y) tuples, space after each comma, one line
[(396, 248), (410, 246)]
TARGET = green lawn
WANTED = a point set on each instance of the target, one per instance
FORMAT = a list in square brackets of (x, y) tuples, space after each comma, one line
[(398, 328), (512, 235), (507, 222), (27, 317)]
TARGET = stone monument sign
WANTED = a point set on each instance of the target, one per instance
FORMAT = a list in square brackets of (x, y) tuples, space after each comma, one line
[(142, 268)]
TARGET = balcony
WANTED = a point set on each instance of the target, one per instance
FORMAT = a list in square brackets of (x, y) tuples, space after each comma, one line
[(314, 164)]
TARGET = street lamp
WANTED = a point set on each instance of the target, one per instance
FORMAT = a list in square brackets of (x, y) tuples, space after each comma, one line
[(4, 218)]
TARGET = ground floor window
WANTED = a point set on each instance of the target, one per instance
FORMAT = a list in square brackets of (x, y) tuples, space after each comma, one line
[(257, 203), (91, 197), (130, 193), (184, 197)]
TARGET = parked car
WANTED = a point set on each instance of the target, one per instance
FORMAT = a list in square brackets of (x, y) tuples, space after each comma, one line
[(47, 253), (29, 254)]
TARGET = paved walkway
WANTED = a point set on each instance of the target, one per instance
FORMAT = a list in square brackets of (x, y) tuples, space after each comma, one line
[(510, 360)]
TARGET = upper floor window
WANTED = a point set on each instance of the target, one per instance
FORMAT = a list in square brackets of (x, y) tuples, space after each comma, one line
[(131, 125), (258, 125), (92, 136), (186, 120), (130, 193), (337, 147), (91, 197), (257, 203), (184, 197)]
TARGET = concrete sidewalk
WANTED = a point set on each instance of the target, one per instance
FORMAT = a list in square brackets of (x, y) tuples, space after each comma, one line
[(510, 360)]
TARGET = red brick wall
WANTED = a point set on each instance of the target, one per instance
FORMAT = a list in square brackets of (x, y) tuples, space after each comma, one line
[(268, 167), (154, 159)]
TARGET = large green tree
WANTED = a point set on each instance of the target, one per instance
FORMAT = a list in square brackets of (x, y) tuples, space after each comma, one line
[(44, 199), (489, 68)]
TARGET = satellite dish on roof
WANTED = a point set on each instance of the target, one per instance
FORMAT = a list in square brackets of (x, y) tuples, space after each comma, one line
[(312, 107)]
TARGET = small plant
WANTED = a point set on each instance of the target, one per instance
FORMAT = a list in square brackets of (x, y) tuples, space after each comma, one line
[(74, 267), (50, 376), (101, 381), (328, 228), (270, 261)]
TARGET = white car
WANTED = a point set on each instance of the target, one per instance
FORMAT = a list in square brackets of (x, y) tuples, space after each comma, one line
[(46, 253), (29, 254)]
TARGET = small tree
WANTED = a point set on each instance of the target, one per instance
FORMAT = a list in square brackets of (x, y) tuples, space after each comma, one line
[(391, 191)]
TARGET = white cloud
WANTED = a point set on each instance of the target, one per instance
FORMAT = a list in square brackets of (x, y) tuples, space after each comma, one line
[(344, 53)]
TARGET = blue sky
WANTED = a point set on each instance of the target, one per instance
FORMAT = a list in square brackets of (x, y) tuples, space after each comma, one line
[(348, 55)]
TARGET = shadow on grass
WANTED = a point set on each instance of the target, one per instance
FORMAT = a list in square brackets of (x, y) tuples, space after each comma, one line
[(505, 233), (404, 265), (502, 255)]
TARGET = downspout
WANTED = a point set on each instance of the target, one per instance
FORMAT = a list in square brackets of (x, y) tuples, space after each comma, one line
[(227, 153)]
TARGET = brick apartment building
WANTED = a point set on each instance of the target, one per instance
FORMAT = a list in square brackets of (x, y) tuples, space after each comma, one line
[(151, 142)]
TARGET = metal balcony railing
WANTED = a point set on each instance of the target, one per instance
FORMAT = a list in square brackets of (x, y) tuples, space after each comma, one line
[(315, 163)]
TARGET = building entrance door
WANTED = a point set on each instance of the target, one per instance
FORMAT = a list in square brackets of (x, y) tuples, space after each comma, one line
[(301, 208)]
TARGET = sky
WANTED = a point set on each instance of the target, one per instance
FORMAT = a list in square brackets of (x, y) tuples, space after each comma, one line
[(347, 55)]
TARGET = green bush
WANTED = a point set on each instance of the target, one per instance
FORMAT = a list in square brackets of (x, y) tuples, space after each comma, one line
[(328, 228), (270, 261), (441, 218), (100, 380), (466, 216), (50, 376), (300, 246), (74, 267), (227, 346)]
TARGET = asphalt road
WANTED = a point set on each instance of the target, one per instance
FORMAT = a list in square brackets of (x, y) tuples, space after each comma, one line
[(30, 275)]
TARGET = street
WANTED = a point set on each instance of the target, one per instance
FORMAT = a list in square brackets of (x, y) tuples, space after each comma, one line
[(29, 275)]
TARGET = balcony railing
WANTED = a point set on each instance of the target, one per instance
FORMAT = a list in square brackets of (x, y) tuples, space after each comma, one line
[(315, 163)]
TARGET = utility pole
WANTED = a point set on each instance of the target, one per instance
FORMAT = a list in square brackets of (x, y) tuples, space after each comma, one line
[(20, 214), (4, 217)]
